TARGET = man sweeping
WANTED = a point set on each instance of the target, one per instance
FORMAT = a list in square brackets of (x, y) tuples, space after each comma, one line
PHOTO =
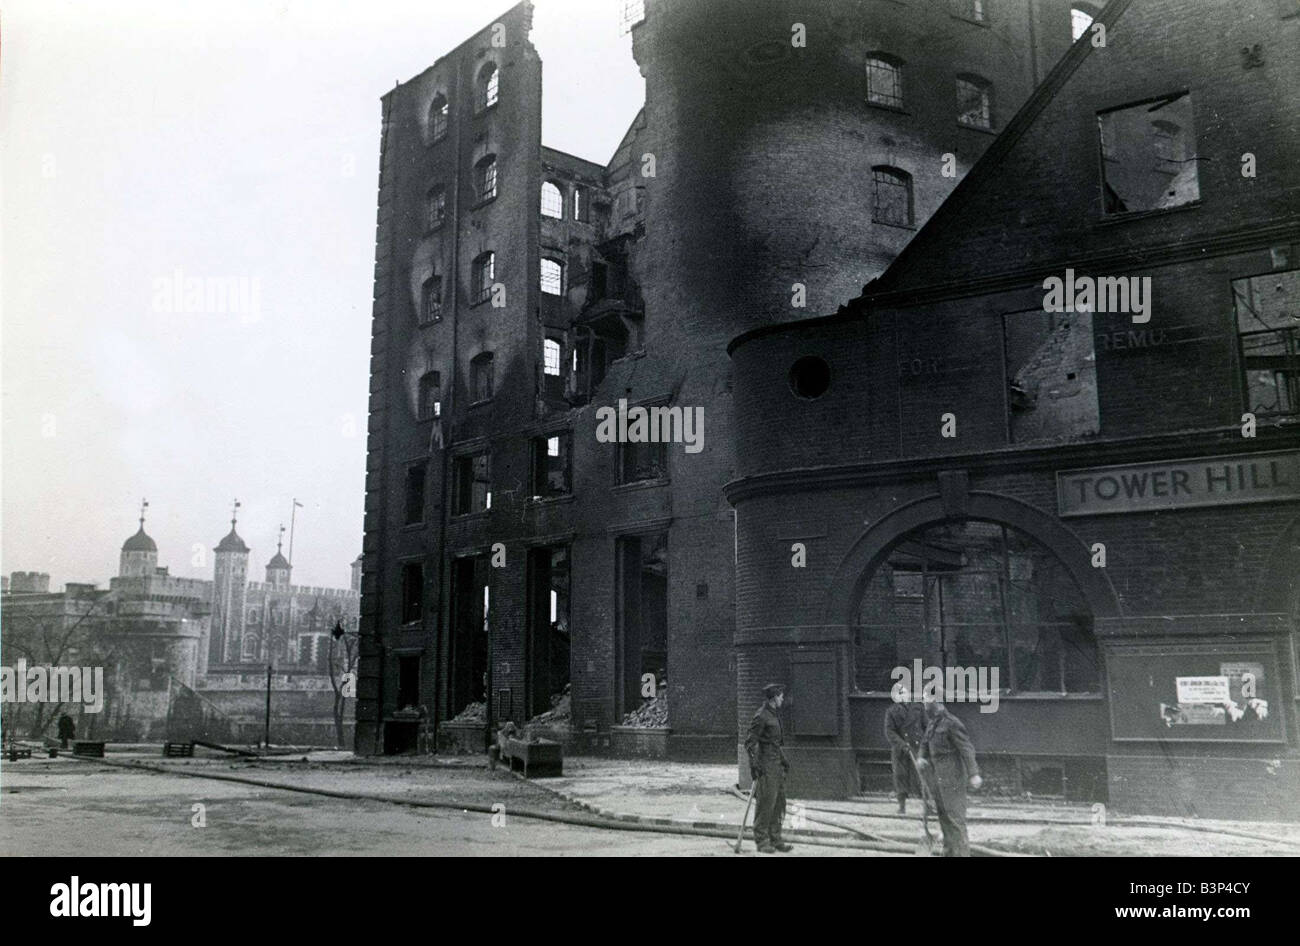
[(767, 768), (904, 727), (947, 762)]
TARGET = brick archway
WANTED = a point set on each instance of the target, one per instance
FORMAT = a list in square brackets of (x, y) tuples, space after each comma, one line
[(875, 544)]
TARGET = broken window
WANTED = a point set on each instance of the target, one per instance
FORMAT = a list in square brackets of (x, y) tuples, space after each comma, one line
[(487, 87), (642, 461), (429, 406), (472, 478), (552, 201), (408, 682), (485, 178), (1051, 371), (438, 111), (553, 368), (1268, 332), (976, 595), (482, 275), (480, 377), (415, 480), (552, 276), (892, 196), (884, 80), (470, 623), (552, 464), (435, 208), (1149, 155), (551, 349), (431, 300), (974, 102), (412, 592)]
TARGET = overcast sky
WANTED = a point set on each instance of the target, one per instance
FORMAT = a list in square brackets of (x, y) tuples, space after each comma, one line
[(143, 141)]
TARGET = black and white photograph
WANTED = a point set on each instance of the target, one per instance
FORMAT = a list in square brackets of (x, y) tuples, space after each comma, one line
[(742, 429)]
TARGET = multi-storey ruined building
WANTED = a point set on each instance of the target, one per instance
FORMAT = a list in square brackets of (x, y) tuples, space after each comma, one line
[(785, 155)]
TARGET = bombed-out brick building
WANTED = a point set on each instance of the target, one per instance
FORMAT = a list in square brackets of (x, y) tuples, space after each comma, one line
[(1058, 438), (784, 156)]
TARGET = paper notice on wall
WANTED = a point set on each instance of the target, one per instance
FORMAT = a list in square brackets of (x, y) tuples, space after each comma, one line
[(1193, 714), (1245, 680), (1203, 690)]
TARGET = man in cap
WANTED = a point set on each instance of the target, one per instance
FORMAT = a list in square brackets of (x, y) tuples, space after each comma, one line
[(947, 762), (767, 768), (904, 727)]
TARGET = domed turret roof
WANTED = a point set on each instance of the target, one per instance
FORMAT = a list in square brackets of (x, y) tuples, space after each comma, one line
[(278, 561), (232, 542), (140, 542)]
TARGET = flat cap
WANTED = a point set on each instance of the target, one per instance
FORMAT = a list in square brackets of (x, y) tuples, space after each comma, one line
[(772, 689)]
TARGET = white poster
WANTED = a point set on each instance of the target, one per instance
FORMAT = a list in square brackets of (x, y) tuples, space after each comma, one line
[(1203, 690)]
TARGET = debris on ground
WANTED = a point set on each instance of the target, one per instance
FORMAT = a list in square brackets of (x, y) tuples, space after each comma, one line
[(474, 713), (652, 714), (561, 710)]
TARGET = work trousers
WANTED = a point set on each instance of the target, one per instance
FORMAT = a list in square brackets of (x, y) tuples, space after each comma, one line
[(769, 806)]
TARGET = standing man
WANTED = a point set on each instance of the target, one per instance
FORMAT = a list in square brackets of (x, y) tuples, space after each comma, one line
[(904, 728), (947, 763), (767, 768)]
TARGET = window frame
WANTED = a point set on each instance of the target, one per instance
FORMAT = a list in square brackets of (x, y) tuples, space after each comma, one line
[(900, 179), (542, 281), (487, 179), (436, 197), (411, 603), (424, 388), (985, 89), (539, 449), (430, 300), (483, 267), (559, 193), (463, 489), (482, 369), (439, 118), (894, 64), (487, 92)]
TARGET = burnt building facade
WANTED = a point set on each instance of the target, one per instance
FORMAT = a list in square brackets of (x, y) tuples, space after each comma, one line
[(784, 156), (1059, 438)]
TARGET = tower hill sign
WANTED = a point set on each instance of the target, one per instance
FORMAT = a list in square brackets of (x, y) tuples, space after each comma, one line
[(1176, 484)]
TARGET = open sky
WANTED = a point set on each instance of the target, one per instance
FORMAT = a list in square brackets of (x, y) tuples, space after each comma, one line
[(149, 141)]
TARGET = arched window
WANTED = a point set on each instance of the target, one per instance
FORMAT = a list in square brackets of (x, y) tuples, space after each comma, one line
[(891, 196), (552, 277), (884, 80), (482, 274), (435, 207), (486, 87), (249, 647), (978, 596), (485, 177), (431, 300), (1081, 17), (974, 101), (552, 201), (480, 376), (430, 394), (438, 111)]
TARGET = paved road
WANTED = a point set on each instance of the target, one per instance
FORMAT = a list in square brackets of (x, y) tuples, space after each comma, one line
[(66, 807)]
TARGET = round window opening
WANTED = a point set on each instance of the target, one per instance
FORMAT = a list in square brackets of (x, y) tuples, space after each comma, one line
[(810, 376)]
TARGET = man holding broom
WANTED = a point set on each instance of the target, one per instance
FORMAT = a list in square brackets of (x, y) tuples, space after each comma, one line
[(767, 768)]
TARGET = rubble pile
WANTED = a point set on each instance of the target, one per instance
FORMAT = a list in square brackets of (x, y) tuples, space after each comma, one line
[(653, 713), (474, 713), (560, 711)]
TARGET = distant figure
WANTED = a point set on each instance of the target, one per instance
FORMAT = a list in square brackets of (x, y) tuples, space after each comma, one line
[(67, 730), (508, 731), (904, 728)]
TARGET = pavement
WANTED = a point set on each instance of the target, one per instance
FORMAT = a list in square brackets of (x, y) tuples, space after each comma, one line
[(323, 802)]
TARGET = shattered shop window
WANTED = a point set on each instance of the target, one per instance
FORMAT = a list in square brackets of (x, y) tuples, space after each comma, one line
[(1268, 332), (1148, 155)]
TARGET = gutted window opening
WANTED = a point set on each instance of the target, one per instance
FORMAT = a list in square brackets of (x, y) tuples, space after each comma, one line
[(438, 111), (1051, 371), (974, 594), (480, 377), (431, 300), (412, 592), (642, 615), (552, 465), (435, 208), (487, 87), (552, 281), (1268, 333), (810, 377), (485, 178), (548, 627), (974, 102), (428, 405), (416, 475), (1149, 155), (408, 682), (470, 630), (472, 480)]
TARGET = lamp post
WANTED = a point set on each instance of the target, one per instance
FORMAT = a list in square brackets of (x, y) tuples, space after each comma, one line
[(267, 740)]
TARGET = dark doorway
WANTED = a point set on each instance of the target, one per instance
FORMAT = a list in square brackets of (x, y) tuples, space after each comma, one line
[(548, 626), (642, 564), (468, 660)]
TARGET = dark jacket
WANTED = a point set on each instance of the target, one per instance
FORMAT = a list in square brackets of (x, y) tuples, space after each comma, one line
[(764, 741), (905, 727), (949, 750)]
